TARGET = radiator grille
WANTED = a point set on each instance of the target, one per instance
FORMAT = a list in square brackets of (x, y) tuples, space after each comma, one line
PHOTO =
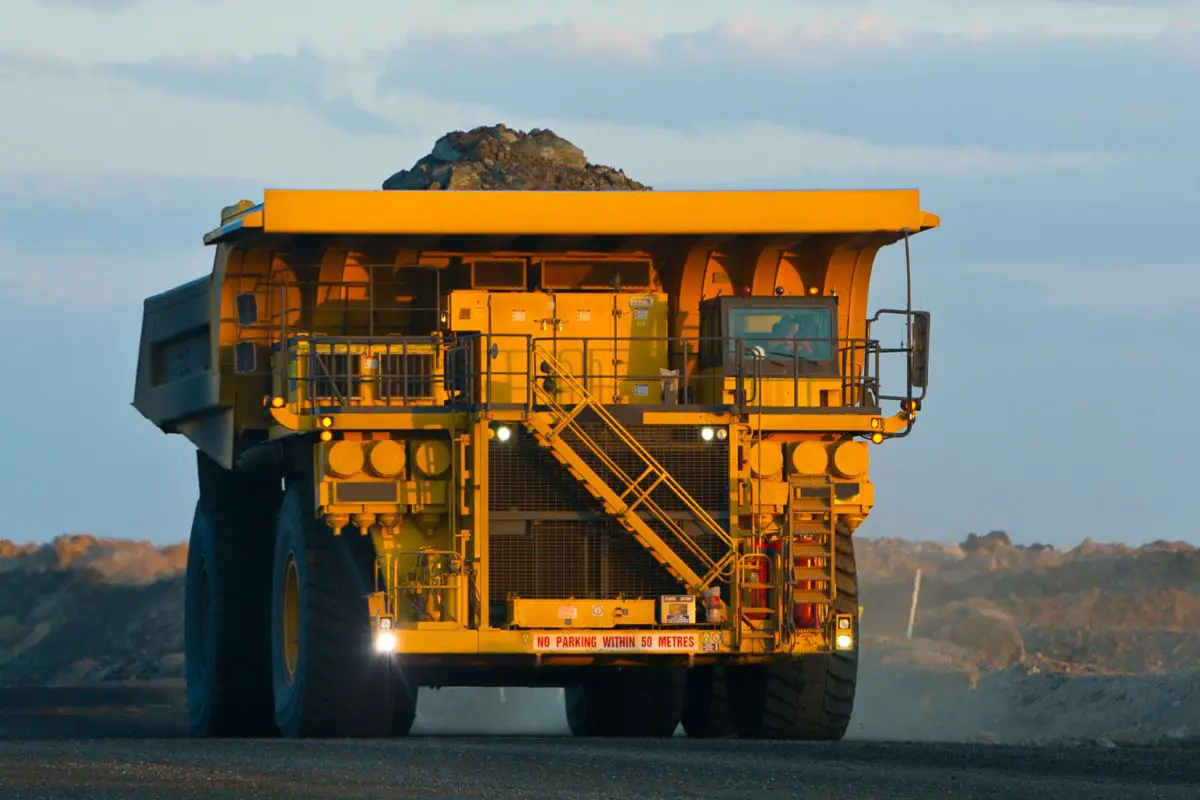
[(336, 376), (591, 556), (406, 376)]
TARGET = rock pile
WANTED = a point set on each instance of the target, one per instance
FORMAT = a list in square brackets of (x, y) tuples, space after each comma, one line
[(498, 157)]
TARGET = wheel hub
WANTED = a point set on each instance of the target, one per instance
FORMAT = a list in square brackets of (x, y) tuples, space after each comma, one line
[(291, 618)]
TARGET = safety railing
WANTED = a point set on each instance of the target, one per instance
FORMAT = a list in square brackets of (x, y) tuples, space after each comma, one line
[(498, 369), (321, 373), (325, 373)]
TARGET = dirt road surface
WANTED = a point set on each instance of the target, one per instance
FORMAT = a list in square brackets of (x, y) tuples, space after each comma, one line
[(129, 742)]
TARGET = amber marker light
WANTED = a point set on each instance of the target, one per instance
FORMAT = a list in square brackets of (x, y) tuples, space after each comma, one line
[(877, 438), (326, 422), (326, 436), (277, 402)]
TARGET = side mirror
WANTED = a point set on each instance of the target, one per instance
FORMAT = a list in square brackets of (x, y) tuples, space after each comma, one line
[(919, 358), (247, 309), (245, 357)]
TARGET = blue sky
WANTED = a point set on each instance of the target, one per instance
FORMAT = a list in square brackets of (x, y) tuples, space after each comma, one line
[(1057, 140)]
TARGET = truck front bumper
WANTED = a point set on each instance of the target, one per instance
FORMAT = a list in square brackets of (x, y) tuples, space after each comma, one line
[(578, 647)]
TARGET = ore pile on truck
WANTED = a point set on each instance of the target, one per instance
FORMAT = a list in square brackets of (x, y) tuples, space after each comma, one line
[(616, 442)]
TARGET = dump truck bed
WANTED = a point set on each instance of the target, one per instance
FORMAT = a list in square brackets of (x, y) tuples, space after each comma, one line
[(681, 213)]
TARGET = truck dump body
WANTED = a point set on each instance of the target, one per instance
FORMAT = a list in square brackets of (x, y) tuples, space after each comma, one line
[(572, 429)]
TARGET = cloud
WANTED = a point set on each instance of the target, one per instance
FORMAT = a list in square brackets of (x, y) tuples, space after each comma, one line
[(94, 5), (101, 124), (864, 79), (166, 28), (300, 81)]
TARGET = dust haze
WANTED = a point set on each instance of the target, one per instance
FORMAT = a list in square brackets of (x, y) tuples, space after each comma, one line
[(1011, 644)]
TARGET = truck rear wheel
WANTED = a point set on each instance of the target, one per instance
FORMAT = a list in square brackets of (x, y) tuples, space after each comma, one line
[(227, 623), (328, 681), (404, 708), (626, 702), (705, 704), (810, 697)]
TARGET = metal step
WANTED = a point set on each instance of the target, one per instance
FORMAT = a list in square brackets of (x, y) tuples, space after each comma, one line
[(810, 574), (808, 596)]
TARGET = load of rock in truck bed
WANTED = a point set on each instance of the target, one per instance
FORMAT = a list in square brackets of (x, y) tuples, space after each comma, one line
[(499, 158)]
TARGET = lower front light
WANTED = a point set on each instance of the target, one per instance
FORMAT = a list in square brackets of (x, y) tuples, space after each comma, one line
[(385, 642), (844, 641)]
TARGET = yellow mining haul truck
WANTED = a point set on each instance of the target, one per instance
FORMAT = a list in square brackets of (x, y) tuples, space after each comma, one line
[(615, 442)]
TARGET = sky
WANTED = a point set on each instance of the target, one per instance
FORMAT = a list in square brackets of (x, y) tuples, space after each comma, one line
[(1056, 140)]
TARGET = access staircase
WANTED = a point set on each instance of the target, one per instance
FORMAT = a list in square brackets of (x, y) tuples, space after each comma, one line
[(630, 502)]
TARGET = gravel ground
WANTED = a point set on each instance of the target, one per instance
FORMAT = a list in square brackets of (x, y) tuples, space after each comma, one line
[(113, 741)]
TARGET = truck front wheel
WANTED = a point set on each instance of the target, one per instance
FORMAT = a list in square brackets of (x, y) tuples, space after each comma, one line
[(328, 681), (807, 697)]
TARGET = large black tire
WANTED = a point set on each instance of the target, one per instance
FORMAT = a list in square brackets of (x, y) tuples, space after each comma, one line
[(626, 702), (405, 695), (337, 685), (227, 622), (706, 705), (810, 697)]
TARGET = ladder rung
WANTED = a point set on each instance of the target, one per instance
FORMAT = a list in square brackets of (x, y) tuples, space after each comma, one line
[(757, 586), (816, 598), (757, 610)]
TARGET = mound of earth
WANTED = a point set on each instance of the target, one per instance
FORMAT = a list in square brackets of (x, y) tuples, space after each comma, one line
[(1011, 644), (499, 158)]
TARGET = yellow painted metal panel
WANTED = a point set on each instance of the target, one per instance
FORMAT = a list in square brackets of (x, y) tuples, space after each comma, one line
[(642, 316), (528, 613), (593, 213), (585, 323)]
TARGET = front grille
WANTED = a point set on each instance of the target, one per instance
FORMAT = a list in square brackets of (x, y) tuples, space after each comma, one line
[(582, 559), (572, 549)]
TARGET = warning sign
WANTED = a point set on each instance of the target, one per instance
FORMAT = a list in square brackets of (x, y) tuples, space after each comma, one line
[(616, 642)]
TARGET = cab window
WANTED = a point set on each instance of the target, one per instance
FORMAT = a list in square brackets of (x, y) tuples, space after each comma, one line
[(784, 333)]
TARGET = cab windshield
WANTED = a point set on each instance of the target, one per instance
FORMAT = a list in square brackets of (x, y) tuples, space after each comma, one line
[(805, 333)]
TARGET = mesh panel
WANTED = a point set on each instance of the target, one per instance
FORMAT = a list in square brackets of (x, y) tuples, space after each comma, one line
[(586, 560), (596, 558), (498, 274)]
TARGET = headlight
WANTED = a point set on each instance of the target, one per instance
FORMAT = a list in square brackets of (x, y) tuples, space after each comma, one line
[(503, 433), (707, 434), (385, 642), (844, 641)]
